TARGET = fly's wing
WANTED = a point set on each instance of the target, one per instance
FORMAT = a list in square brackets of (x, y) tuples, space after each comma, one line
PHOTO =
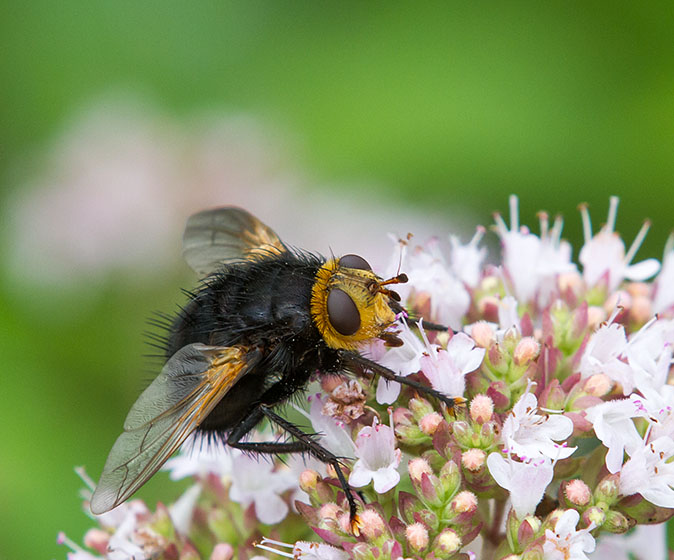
[(219, 235), (190, 384)]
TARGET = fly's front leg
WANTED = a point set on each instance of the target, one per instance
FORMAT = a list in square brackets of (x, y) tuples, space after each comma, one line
[(304, 443)]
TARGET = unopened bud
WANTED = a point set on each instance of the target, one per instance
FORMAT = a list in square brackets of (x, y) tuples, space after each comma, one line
[(429, 423), (473, 459), (616, 522), (222, 551), (642, 309), (594, 515), (526, 351), (372, 526), (577, 492), (595, 316), (308, 480), (446, 544), (481, 409), (483, 334), (420, 407), (598, 385), (417, 537), (464, 502), (450, 478), (330, 511), (608, 490), (417, 468), (97, 539)]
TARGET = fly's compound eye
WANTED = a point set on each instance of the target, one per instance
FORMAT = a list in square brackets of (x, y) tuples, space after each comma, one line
[(342, 312), (354, 261)]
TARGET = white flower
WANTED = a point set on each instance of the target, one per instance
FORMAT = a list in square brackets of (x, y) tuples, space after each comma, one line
[(254, 480), (657, 405), (466, 260), (649, 353), (378, 459), (334, 436), (446, 369), (613, 425), (428, 274), (530, 435), (182, 510), (508, 318), (303, 550), (526, 482), (650, 473), (565, 543), (532, 263), (403, 360), (603, 256), (603, 354), (664, 283)]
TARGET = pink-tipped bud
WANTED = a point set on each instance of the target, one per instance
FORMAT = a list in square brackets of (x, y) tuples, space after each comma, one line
[(642, 309), (97, 539), (473, 459), (418, 467), (595, 316), (481, 409), (372, 526), (417, 536), (308, 480), (464, 502), (577, 492), (569, 281), (488, 307), (429, 423), (344, 522), (330, 511), (483, 334), (526, 350), (222, 551), (619, 297), (598, 385), (446, 544)]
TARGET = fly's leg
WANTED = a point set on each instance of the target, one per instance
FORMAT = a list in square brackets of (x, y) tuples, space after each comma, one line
[(304, 443), (354, 359)]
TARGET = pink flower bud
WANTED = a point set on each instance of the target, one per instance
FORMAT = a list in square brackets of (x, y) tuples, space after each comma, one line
[(417, 468), (464, 502), (417, 536), (642, 309), (483, 334), (222, 551), (598, 385), (97, 539), (481, 408), (473, 459), (526, 351), (429, 423), (308, 480), (595, 316), (446, 544), (577, 492), (329, 511), (372, 526)]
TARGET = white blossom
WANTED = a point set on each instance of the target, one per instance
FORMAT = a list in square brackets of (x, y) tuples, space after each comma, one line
[(532, 436), (650, 472), (466, 260), (565, 543), (378, 459), (603, 354), (404, 360), (663, 299), (526, 481)]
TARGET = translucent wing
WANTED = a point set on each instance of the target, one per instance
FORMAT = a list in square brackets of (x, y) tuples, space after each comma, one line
[(191, 383), (225, 234)]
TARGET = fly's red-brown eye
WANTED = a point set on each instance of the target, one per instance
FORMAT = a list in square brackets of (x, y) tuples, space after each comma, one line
[(354, 261), (342, 312)]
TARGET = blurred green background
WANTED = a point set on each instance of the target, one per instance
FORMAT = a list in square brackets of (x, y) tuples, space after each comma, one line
[(446, 107)]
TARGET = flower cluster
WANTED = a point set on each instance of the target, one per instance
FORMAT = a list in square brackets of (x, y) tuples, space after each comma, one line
[(567, 438)]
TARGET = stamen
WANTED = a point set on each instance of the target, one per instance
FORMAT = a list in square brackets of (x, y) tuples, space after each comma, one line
[(514, 213), (480, 231), (612, 214), (669, 245), (637, 242), (556, 232), (85, 478), (587, 224), (543, 220), (501, 226), (275, 551), (62, 538)]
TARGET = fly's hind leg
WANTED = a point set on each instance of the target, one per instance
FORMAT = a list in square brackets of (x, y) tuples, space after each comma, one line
[(304, 443)]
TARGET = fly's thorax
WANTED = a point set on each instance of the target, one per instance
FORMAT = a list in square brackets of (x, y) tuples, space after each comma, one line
[(348, 304)]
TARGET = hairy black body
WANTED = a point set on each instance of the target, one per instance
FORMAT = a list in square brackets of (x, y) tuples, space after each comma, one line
[(263, 304)]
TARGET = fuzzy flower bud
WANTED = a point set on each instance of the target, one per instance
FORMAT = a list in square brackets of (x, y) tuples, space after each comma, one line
[(372, 526), (429, 423), (577, 492), (308, 480), (608, 490), (465, 501), (417, 537), (473, 459), (594, 516), (598, 385), (616, 522), (526, 351), (446, 544), (483, 334), (222, 551), (481, 409)]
